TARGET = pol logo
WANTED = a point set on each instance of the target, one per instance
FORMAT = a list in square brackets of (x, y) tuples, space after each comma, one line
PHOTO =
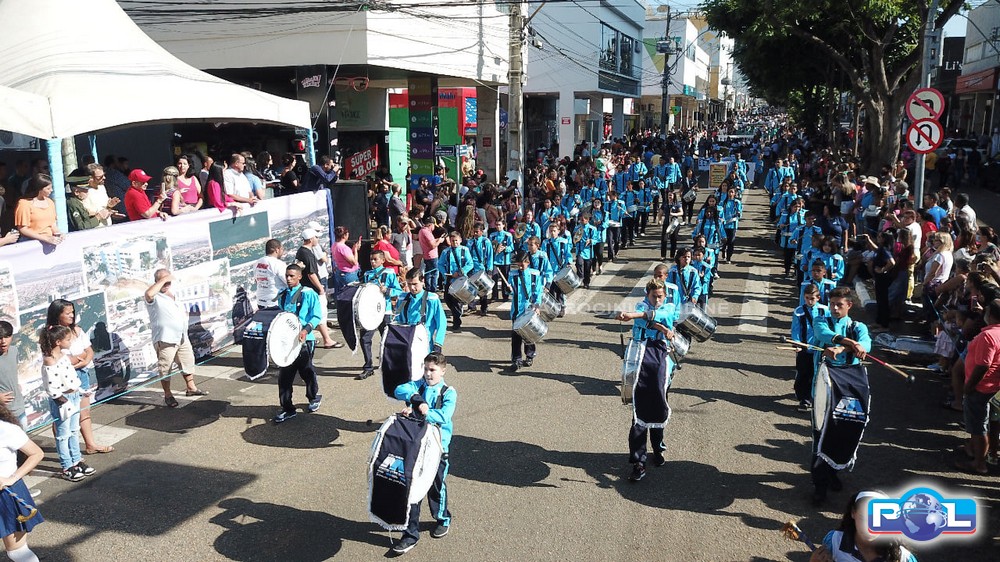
[(922, 514)]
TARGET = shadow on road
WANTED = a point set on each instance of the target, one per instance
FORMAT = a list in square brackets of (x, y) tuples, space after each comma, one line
[(198, 413), (266, 531)]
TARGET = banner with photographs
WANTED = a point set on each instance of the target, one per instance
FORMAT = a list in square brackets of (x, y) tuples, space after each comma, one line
[(106, 271)]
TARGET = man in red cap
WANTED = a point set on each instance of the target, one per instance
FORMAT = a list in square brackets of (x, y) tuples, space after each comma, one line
[(137, 204)]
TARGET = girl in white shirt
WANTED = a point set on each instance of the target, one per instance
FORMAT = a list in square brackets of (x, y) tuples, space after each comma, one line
[(61, 383)]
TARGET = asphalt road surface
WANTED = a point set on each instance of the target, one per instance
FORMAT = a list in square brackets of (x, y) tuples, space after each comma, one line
[(539, 459)]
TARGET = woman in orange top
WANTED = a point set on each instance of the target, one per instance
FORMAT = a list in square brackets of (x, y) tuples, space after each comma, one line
[(35, 215)]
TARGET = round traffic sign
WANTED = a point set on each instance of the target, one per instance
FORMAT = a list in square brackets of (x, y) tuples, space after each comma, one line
[(925, 103), (924, 136)]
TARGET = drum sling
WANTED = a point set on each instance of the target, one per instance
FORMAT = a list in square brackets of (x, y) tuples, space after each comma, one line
[(842, 402), (255, 360)]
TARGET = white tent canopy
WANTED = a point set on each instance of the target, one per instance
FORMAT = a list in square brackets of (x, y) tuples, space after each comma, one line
[(89, 68)]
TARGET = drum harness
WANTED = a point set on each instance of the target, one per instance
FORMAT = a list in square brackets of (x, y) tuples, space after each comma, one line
[(423, 307), (297, 301), (852, 330)]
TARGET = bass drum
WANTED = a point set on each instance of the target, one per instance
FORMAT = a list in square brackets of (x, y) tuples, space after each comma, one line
[(630, 368), (403, 350), (369, 306), (530, 326), (283, 345)]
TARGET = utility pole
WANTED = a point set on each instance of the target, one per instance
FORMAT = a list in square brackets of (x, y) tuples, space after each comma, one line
[(515, 113), (666, 48), (926, 67)]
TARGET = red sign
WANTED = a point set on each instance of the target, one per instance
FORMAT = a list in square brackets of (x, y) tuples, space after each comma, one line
[(924, 136), (487, 142), (566, 120), (361, 163)]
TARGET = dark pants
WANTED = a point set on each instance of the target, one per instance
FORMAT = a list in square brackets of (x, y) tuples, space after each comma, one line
[(455, 306), (628, 231), (501, 287), (516, 344), (789, 256), (664, 237), (804, 372), (614, 241), (688, 210), (643, 220), (557, 294), (366, 341), (583, 269), (637, 442), (303, 366), (437, 501), (598, 259), (800, 276), (729, 244)]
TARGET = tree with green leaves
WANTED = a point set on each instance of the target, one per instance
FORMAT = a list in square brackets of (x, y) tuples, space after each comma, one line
[(875, 45)]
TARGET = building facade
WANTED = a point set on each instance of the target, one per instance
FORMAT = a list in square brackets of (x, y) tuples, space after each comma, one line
[(977, 86)]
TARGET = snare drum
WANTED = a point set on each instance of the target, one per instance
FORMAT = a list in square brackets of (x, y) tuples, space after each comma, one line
[(675, 223), (530, 326), (567, 280), (681, 345), (695, 322), (632, 209), (549, 308), (403, 350), (614, 224), (483, 282), (463, 290), (283, 345), (690, 196), (630, 368), (369, 306)]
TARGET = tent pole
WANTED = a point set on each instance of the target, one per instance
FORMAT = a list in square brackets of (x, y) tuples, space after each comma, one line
[(58, 182), (92, 141), (310, 147)]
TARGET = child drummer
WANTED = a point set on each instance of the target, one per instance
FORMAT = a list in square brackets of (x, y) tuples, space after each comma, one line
[(389, 283), (481, 249), (654, 320), (527, 285)]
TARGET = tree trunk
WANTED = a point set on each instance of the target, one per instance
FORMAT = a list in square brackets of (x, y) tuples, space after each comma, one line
[(882, 139)]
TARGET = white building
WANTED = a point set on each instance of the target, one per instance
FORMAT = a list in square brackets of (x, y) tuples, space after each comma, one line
[(688, 72), (344, 60), (580, 54), (977, 87)]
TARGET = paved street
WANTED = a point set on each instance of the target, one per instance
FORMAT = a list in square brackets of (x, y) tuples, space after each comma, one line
[(539, 460)]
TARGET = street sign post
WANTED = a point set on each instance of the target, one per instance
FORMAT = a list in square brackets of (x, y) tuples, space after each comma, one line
[(924, 136)]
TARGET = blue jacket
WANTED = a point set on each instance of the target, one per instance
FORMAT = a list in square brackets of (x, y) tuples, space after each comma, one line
[(824, 285), (482, 253), (455, 260), (527, 286), (616, 211), (714, 231), (688, 281), (731, 213), (558, 251), (789, 225), (310, 313), (502, 256), (545, 218), (540, 262), (408, 311), (584, 248), (804, 319), (665, 314), (824, 331), (429, 394)]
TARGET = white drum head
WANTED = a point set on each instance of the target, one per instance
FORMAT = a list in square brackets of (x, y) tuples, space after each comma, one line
[(418, 350), (821, 389), (283, 343), (369, 306)]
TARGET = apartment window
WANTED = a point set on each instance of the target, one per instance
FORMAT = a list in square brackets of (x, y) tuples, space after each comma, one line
[(625, 59), (974, 53), (609, 48)]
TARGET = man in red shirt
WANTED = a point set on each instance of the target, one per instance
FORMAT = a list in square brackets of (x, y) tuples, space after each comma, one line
[(982, 381), (137, 204)]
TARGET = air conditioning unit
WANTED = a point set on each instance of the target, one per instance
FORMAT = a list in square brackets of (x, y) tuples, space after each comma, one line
[(17, 141)]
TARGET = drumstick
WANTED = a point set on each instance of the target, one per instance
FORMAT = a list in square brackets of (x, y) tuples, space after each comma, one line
[(909, 378), (791, 531), (32, 511), (504, 279)]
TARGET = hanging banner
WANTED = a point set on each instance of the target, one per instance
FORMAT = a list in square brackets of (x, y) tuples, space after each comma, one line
[(106, 271)]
